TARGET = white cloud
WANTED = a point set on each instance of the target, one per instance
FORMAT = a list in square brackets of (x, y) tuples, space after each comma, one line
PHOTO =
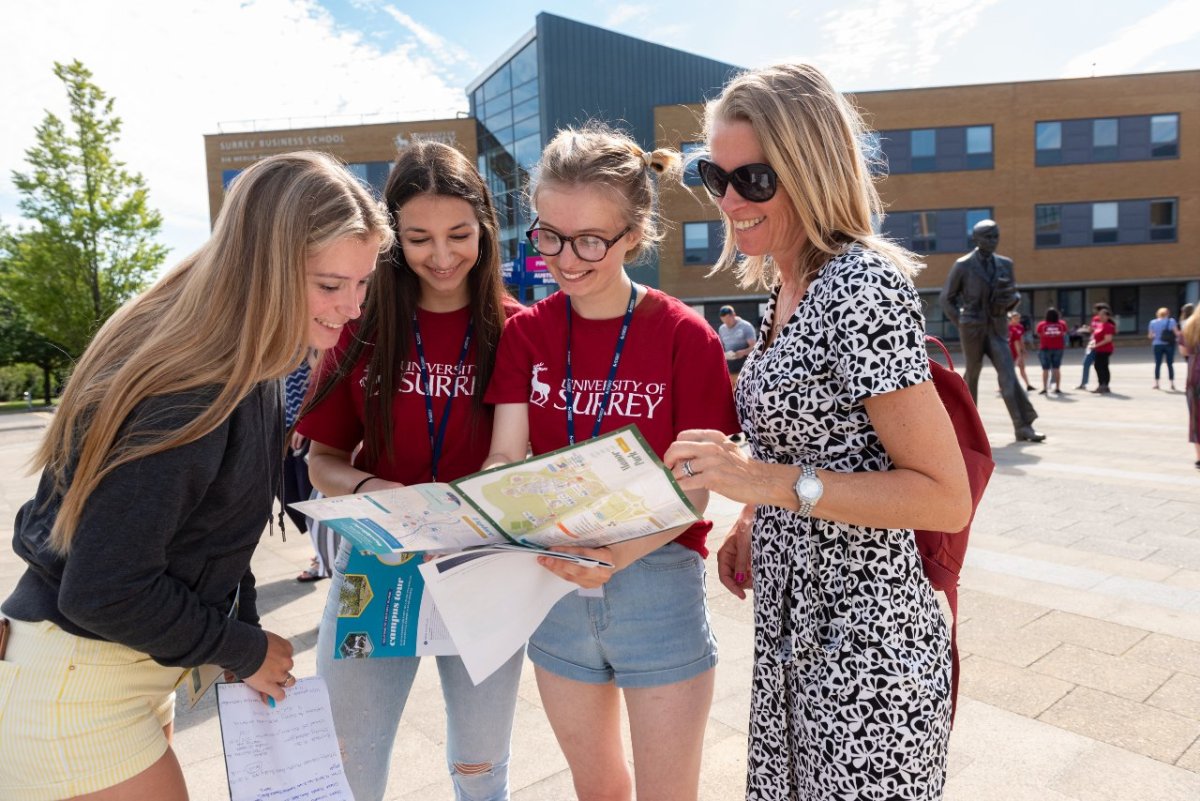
[(625, 12), (437, 46), (892, 37), (179, 69), (1135, 48)]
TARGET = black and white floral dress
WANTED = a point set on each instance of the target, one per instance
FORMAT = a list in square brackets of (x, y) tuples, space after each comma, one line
[(851, 685)]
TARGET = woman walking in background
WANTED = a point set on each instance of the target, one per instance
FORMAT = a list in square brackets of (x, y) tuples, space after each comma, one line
[(1016, 346), (1103, 332), (160, 469), (1163, 333)]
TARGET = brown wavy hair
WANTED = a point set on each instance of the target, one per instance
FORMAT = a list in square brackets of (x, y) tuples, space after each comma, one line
[(422, 168)]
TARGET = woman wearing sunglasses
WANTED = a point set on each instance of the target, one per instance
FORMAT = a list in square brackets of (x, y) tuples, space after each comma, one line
[(602, 353), (407, 383), (851, 450)]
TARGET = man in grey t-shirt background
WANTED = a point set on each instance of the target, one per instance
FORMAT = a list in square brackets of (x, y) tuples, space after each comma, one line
[(737, 338)]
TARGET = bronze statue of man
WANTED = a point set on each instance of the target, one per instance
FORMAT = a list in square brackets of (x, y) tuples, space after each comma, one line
[(980, 290)]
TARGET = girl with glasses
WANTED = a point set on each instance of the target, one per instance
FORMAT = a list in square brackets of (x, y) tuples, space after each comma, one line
[(599, 354), (851, 450), (407, 383), (158, 475)]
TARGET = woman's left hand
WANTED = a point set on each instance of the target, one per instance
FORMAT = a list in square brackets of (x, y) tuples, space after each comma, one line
[(707, 459), (588, 577)]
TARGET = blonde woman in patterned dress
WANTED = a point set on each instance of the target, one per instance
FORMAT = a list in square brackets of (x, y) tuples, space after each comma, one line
[(851, 450)]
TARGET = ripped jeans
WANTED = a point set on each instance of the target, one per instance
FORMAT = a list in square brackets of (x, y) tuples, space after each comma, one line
[(368, 698)]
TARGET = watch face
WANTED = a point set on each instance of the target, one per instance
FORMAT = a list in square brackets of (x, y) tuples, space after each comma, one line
[(809, 488)]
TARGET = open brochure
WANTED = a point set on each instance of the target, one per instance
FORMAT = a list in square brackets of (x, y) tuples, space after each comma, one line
[(606, 490), (487, 590)]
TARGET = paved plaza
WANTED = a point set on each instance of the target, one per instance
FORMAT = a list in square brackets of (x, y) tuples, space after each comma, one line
[(1079, 619)]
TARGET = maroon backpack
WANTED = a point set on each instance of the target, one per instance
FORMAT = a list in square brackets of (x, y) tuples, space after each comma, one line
[(942, 552)]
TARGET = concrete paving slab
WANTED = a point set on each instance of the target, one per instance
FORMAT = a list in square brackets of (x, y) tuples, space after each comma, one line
[(1010, 687), (1126, 724), (1098, 635), (1127, 678), (1180, 694)]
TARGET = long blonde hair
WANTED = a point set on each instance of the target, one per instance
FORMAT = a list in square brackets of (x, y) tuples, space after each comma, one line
[(231, 315), (598, 155), (811, 136)]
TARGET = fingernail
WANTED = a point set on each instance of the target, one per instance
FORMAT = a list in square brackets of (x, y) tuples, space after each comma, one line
[(270, 702), (739, 577)]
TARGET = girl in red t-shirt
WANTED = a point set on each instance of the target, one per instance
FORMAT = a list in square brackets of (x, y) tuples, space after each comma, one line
[(1016, 346), (407, 384), (1103, 332), (615, 353), (1051, 333)]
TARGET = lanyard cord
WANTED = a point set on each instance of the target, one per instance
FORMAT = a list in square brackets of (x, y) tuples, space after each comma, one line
[(612, 371), (438, 438)]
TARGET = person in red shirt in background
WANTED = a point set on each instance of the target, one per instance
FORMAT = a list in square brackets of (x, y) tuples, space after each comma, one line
[(1051, 333), (612, 353), (1016, 345), (1103, 332)]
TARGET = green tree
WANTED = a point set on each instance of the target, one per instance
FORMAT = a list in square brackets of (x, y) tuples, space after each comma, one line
[(90, 244)]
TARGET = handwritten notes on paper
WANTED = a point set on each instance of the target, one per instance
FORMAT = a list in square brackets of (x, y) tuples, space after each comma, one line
[(285, 753)]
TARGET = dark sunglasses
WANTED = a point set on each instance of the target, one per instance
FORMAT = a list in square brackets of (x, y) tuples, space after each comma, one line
[(754, 182)]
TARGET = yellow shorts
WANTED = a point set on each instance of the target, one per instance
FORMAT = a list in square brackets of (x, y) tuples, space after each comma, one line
[(78, 715)]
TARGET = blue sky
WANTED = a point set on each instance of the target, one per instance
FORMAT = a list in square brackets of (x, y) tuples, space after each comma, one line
[(182, 68)]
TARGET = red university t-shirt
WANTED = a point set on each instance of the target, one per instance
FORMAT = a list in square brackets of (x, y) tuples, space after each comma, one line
[(1015, 332), (339, 421), (672, 376), (1051, 335), (1099, 331)]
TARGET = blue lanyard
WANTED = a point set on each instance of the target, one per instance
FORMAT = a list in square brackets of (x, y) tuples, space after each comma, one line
[(612, 372), (437, 439)]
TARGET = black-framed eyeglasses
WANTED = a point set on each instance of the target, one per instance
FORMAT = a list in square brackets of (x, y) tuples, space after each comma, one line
[(754, 182), (588, 247)]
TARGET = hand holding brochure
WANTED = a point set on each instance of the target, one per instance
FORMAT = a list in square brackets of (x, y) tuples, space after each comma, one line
[(606, 490)]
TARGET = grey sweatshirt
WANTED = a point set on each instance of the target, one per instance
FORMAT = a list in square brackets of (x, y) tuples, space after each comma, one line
[(164, 542)]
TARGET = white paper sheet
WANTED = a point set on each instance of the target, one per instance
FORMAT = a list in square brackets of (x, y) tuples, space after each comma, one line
[(285, 753), (492, 601)]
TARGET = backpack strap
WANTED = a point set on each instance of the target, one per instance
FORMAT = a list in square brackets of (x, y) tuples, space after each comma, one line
[(944, 349)]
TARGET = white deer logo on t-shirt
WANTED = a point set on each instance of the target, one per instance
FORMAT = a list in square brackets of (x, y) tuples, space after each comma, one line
[(541, 390)]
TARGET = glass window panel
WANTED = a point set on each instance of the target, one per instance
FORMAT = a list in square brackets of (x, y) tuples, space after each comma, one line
[(695, 235), (1104, 215), (524, 64), (501, 81), (975, 216), (529, 150), (497, 122), (924, 143), (525, 91), (527, 126), (924, 231), (1164, 128), (1048, 221), (526, 109), (1162, 212), (497, 105), (1104, 133), (1049, 136), (979, 139)]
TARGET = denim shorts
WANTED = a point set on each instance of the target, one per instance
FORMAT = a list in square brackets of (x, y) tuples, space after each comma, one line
[(650, 628), (1050, 359)]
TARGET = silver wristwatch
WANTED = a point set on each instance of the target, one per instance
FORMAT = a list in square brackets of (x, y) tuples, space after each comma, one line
[(808, 489)]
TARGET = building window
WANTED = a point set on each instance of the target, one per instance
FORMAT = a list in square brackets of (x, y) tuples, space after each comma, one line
[(873, 154), (1048, 220), (1162, 220), (974, 217), (1164, 136), (1104, 223), (979, 147), (924, 150), (702, 242), (924, 231), (1108, 222), (1049, 143), (691, 151), (1104, 140)]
